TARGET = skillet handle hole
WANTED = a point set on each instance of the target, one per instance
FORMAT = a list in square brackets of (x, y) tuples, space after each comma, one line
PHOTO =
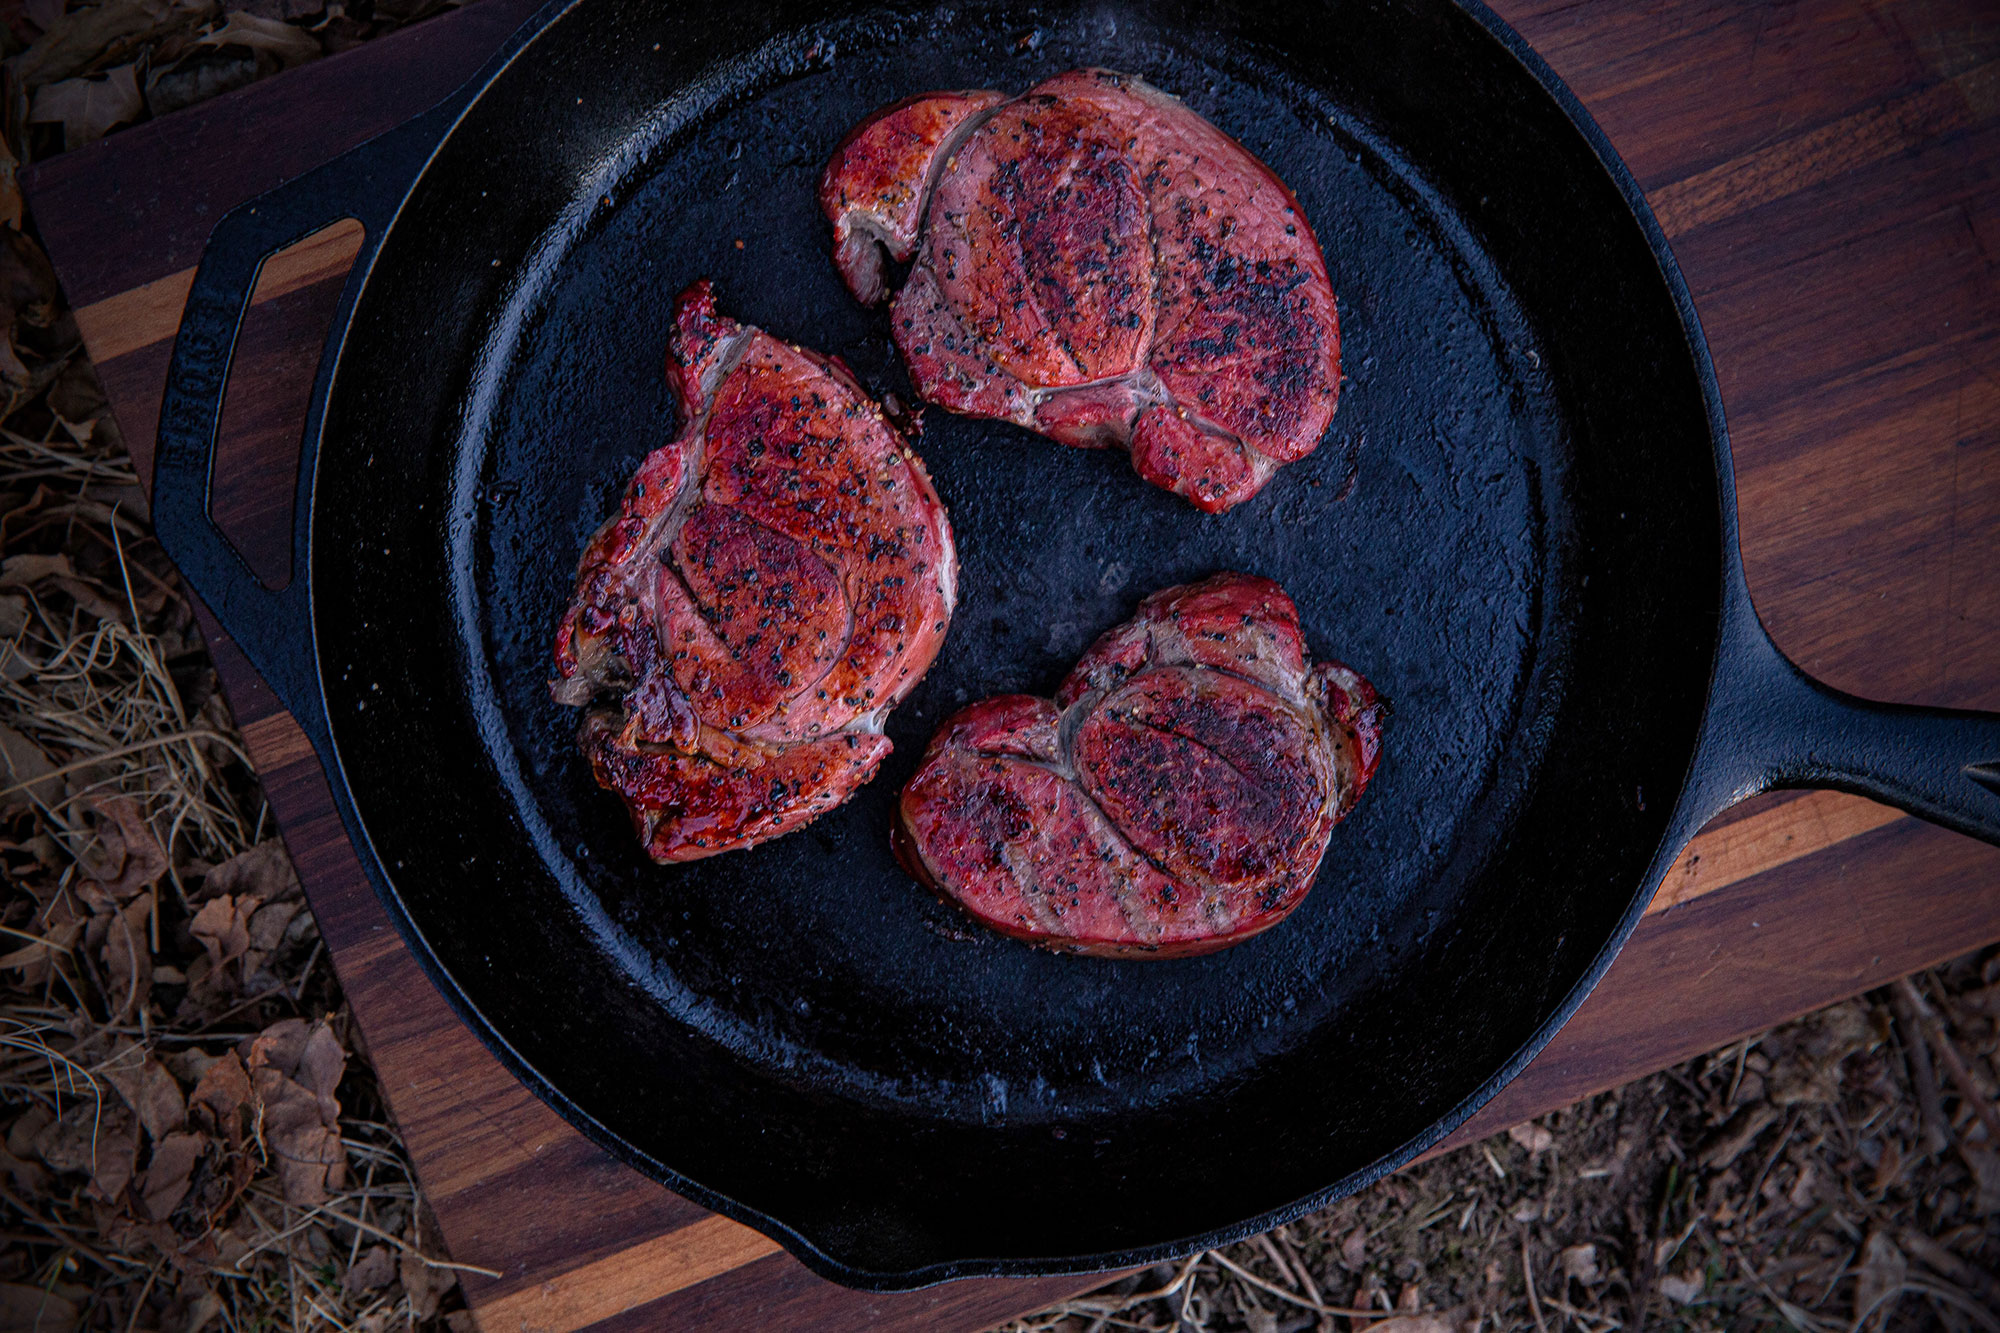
[(270, 390)]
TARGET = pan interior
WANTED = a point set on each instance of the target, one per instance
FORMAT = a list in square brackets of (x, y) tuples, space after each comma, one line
[(792, 1026), (1417, 542)]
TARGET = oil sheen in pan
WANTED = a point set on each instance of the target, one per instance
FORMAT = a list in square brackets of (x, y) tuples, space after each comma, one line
[(1421, 543)]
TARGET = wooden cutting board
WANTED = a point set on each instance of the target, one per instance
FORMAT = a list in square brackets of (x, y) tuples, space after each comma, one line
[(1830, 175)]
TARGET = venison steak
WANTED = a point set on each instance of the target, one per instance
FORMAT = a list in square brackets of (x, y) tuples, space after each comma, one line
[(777, 578), (1096, 262), (1174, 798)]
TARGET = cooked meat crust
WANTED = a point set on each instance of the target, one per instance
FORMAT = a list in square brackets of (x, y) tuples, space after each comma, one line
[(1174, 798), (1094, 261), (778, 577)]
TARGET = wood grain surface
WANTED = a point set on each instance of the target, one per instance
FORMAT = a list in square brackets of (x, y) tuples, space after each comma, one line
[(1829, 172)]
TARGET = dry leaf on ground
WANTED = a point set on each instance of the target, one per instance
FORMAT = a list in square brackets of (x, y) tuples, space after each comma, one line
[(130, 857), (374, 1270), (294, 1070), (1682, 1288), (264, 870), (1880, 1275), (78, 39), (1580, 1262), (251, 919), (425, 1285), (99, 1139), (25, 770), (285, 43), (1533, 1137), (25, 1309), (148, 1089), (168, 1175), (120, 938), (90, 107), (199, 75)]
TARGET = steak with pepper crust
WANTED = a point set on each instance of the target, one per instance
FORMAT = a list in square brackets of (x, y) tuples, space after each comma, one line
[(777, 578), (1174, 798), (1096, 262)]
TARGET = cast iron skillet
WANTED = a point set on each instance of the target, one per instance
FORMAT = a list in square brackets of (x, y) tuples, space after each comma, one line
[(1521, 528)]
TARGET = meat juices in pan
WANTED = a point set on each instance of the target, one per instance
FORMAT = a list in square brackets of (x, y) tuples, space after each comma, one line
[(1174, 798), (1094, 261), (778, 577)]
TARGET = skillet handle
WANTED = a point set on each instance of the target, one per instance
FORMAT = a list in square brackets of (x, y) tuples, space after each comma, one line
[(272, 627), (1772, 725)]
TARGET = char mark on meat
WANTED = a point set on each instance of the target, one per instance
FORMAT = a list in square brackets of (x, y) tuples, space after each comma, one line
[(1094, 261), (778, 576), (1174, 798)]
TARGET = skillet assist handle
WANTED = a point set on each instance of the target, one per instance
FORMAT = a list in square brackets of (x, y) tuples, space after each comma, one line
[(273, 628), (1774, 726)]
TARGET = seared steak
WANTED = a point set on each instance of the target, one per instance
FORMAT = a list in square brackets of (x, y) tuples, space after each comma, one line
[(1174, 798), (777, 578), (1096, 262)]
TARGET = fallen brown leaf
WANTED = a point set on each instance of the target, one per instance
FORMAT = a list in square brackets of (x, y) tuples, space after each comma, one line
[(1533, 1137), (196, 1309), (133, 859), (1580, 1262), (168, 1174), (294, 1070), (288, 45), (127, 956), (223, 927), (27, 1178), (426, 1286), (33, 958), (374, 1270), (148, 1089), (21, 1135), (199, 75), (223, 1093), (1683, 1288), (27, 769), (88, 108), (251, 915), (25, 1309), (76, 39), (100, 1139), (264, 870), (1881, 1273)]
